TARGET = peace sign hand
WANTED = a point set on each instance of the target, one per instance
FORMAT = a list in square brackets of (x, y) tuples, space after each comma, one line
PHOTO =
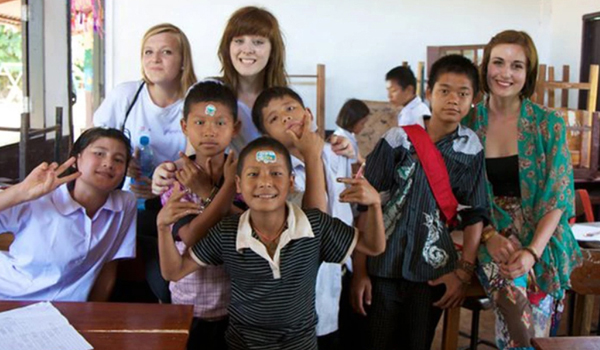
[(45, 179)]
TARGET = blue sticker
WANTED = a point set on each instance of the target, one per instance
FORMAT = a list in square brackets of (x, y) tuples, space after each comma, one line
[(266, 157), (210, 110)]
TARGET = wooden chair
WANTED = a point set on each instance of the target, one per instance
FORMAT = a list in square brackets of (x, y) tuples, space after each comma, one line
[(582, 131), (320, 85), (585, 282)]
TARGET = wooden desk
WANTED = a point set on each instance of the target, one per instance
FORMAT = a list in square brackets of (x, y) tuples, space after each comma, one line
[(570, 343), (585, 282), (125, 326)]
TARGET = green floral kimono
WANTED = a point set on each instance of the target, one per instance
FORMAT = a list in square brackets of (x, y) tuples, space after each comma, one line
[(546, 181)]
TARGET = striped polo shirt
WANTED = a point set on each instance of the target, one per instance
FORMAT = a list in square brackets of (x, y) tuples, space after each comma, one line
[(273, 299), (419, 247)]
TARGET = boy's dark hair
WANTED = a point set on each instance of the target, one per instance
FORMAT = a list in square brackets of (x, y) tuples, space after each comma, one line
[(351, 113), (210, 91), (403, 76), (265, 98), (91, 135), (456, 64), (262, 143)]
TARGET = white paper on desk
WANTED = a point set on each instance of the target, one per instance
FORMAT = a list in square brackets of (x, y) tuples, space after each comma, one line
[(587, 233), (38, 327)]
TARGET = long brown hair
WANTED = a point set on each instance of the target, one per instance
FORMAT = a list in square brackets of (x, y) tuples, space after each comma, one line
[(254, 21), (519, 38), (188, 77)]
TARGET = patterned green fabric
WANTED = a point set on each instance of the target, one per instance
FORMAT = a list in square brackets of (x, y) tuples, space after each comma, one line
[(546, 182)]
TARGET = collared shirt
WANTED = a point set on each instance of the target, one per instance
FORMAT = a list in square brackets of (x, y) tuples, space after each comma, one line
[(275, 295), (413, 113), (58, 251), (329, 279), (420, 247)]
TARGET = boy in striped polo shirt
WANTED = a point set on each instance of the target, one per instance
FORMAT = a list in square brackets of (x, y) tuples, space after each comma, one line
[(273, 251)]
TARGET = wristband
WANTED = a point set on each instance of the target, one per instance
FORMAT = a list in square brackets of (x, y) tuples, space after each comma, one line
[(466, 266), (487, 234), (533, 252)]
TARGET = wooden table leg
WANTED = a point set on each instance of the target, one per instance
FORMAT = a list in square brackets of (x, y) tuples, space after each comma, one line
[(450, 331), (584, 307)]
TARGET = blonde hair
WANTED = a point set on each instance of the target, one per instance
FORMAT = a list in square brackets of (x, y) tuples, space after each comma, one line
[(187, 77), (254, 21)]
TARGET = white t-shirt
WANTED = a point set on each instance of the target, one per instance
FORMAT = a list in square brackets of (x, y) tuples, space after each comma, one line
[(413, 113), (162, 125)]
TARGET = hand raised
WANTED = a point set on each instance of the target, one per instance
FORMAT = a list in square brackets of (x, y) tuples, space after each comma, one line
[(230, 167), (360, 192), (198, 179), (174, 209), (342, 146), (309, 144), (45, 179), (163, 177)]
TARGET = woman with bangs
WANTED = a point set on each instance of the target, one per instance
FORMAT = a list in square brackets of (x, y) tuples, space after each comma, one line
[(252, 55), (152, 107), (528, 252)]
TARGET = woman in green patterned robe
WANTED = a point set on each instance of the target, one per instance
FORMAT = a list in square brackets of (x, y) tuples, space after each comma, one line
[(529, 251)]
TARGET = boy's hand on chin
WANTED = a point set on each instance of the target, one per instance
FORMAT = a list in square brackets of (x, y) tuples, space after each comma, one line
[(309, 143), (360, 192)]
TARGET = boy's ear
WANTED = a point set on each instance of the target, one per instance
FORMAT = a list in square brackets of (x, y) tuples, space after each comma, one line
[(237, 184), (183, 124), (236, 127)]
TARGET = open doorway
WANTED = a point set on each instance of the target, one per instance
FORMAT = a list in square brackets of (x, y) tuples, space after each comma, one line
[(87, 43), (11, 70), (590, 53)]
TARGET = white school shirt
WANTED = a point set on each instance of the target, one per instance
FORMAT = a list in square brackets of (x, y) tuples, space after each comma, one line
[(58, 251), (413, 113), (329, 278), (162, 125)]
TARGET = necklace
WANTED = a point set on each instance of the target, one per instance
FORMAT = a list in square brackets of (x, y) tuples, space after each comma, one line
[(270, 242)]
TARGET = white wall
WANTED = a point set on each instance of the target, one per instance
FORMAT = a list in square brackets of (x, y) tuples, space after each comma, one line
[(566, 33), (358, 40)]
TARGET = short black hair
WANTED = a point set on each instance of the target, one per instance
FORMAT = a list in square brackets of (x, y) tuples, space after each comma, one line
[(268, 143), (91, 135), (456, 64), (403, 76), (265, 98), (351, 113), (210, 91)]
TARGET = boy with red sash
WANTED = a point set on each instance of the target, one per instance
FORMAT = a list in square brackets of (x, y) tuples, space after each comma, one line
[(432, 181)]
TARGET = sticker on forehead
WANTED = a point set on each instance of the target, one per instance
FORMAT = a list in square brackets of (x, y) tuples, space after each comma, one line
[(266, 157), (210, 110)]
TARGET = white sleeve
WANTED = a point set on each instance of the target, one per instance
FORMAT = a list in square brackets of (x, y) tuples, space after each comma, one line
[(12, 219), (125, 239), (111, 112)]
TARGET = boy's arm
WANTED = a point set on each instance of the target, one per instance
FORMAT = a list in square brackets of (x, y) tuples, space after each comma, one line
[(310, 145), (41, 181), (371, 242), (105, 282), (173, 266), (361, 283), (218, 208)]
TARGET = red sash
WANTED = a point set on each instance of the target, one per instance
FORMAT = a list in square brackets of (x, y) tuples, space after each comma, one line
[(435, 169)]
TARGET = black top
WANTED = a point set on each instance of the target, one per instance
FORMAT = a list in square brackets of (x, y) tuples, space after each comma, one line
[(503, 173)]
